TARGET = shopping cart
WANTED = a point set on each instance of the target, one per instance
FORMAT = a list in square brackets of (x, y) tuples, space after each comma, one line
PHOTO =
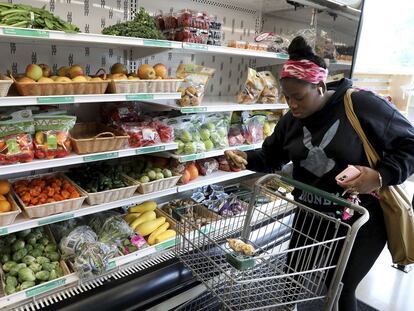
[(300, 253)]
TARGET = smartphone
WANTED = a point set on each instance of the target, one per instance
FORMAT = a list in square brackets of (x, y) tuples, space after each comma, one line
[(348, 174)]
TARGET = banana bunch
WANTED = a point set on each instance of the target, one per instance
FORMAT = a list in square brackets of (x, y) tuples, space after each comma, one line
[(26, 16), (144, 220)]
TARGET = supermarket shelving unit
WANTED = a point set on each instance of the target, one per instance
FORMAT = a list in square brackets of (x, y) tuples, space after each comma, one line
[(242, 19)]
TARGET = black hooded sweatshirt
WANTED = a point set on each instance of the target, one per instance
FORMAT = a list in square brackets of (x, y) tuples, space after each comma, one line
[(323, 144)]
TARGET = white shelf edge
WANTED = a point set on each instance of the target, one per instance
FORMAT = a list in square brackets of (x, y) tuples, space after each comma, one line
[(221, 107), (210, 154), (216, 177), (78, 99), (77, 159)]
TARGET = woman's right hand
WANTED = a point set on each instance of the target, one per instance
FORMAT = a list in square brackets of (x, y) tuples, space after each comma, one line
[(236, 158)]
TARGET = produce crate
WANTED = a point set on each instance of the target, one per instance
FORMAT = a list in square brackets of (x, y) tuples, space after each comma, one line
[(48, 209), (58, 88), (157, 185), (4, 87), (62, 263), (144, 86), (94, 137), (8, 218), (109, 195)]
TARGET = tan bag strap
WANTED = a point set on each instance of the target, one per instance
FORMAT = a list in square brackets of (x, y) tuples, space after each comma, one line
[(370, 152)]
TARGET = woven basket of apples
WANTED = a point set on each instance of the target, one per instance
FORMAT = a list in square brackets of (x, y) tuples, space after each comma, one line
[(147, 79), (39, 81)]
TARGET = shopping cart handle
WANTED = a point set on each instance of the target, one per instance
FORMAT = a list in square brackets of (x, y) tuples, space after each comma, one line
[(329, 196)]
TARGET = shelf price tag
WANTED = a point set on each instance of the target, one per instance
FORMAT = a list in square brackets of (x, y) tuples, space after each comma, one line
[(193, 109), (3, 231), (98, 157), (192, 157), (26, 32), (149, 149), (165, 245), (52, 220), (139, 97), (196, 46), (283, 56), (246, 148), (111, 265), (40, 289), (56, 100), (160, 43)]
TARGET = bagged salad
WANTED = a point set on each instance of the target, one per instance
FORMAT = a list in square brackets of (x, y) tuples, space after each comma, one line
[(52, 135), (195, 83), (16, 143)]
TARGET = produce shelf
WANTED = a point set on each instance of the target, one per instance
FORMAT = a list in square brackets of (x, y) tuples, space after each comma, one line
[(75, 99), (77, 159), (216, 177), (210, 154), (23, 223)]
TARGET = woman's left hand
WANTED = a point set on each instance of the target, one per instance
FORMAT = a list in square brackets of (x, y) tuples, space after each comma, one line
[(367, 182)]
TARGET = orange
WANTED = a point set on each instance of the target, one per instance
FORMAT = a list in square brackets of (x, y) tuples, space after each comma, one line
[(4, 187), (5, 206), (2, 198)]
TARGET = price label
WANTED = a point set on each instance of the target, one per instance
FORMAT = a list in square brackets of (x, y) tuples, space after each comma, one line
[(139, 97), (283, 56), (192, 157), (98, 157), (196, 46), (111, 265), (3, 231), (56, 100), (150, 149), (165, 245), (26, 32), (193, 109), (245, 148), (58, 218), (160, 43), (40, 289)]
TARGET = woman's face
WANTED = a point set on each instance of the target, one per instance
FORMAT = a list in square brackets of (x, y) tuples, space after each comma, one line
[(303, 98)]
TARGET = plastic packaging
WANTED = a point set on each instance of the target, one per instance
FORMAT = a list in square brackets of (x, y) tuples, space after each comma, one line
[(165, 132), (114, 230), (235, 136), (253, 127), (207, 166), (252, 88), (270, 88), (72, 243), (272, 42), (215, 130), (52, 135), (196, 79), (141, 134), (15, 138)]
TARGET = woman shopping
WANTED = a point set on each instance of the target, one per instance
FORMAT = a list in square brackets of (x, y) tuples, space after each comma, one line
[(317, 137)]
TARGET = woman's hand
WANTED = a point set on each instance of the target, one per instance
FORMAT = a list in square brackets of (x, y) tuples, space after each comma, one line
[(367, 182), (236, 158)]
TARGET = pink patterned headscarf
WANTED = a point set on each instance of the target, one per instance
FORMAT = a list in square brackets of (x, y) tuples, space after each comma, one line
[(304, 70)]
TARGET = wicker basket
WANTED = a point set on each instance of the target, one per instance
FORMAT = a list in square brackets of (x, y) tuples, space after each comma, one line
[(8, 218), (95, 137), (4, 87), (57, 88), (110, 195), (157, 185), (48, 209), (144, 86)]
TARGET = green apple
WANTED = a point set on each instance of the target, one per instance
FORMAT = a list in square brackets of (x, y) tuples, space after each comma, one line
[(158, 170), (205, 134), (190, 148), (196, 136), (144, 179), (211, 126), (152, 175), (167, 173), (222, 132), (209, 144), (186, 136), (159, 176)]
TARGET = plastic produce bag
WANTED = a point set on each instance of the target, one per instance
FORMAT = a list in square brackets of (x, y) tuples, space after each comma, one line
[(252, 88), (62, 229), (215, 130), (196, 79), (253, 127), (52, 135), (186, 132), (15, 137), (96, 221), (235, 136), (73, 243), (165, 131), (92, 259), (114, 230), (207, 166), (274, 42), (141, 134)]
